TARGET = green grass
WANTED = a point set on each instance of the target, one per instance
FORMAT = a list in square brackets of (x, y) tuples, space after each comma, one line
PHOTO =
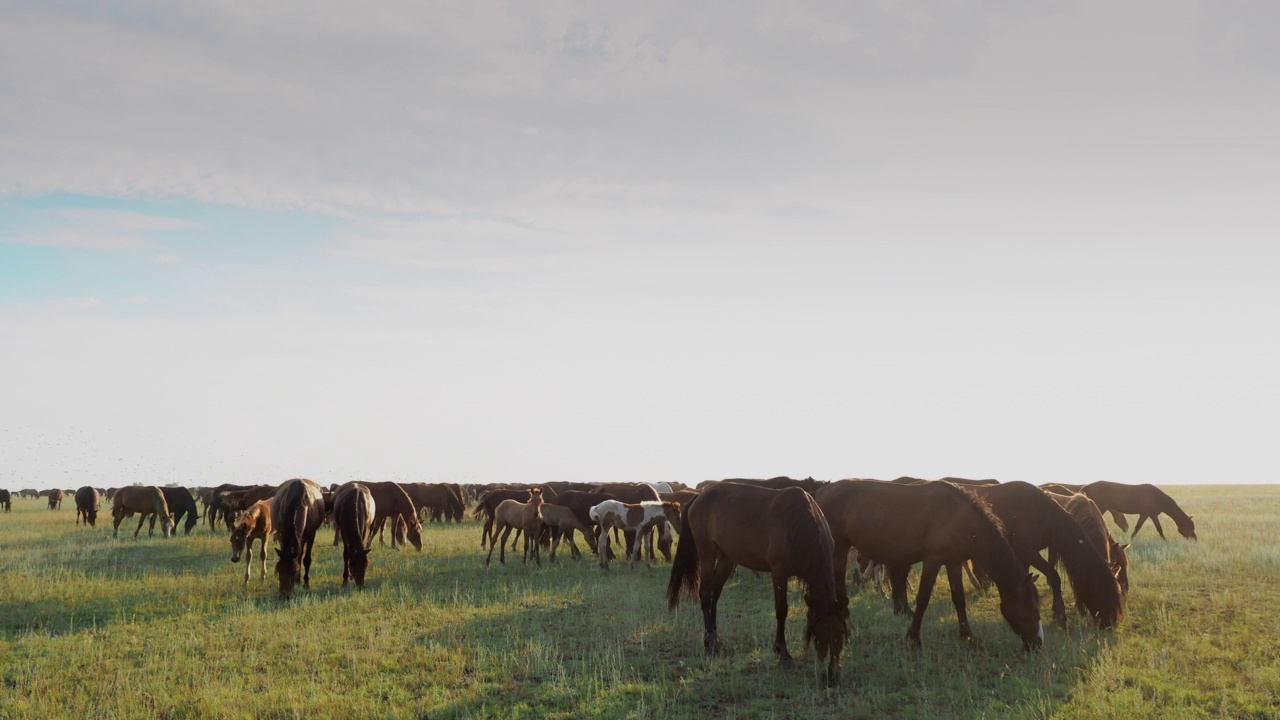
[(95, 627)]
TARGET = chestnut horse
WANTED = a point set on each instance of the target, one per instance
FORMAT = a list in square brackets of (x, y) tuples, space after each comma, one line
[(393, 503), (55, 499), (1089, 518), (181, 504), (87, 502), (253, 524), (780, 532), (297, 509), (1033, 521), (1146, 501), (353, 513), (941, 525), (146, 500)]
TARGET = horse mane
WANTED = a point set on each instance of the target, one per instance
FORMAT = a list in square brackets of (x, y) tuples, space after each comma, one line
[(1086, 565), (999, 559), (806, 527)]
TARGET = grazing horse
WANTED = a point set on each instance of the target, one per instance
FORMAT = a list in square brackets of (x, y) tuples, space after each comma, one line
[(392, 502), (181, 504), (353, 512), (87, 502), (636, 518), (297, 509), (55, 499), (1089, 518), (6, 500), (526, 517), (780, 532), (147, 501), (254, 524), (938, 524), (438, 500), (1033, 521), (1146, 501)]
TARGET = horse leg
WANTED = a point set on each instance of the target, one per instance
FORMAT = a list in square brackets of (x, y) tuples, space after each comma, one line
[(1155, 520), (490, 555), (1119, 519), (533, 539), (141, 519), (1055, 583), (306, 563), (502, 542), (603, 544), (841, 568), (248, 558), (115, 530), (780, 612), (898, 588), (1142, 519), (346, 564), (928, 576), (664, 541), (714, 570), (262, 555), (955, 576)]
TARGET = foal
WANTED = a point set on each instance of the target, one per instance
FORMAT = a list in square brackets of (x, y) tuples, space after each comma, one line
[(254, 524), (525, 517), (637, 518)]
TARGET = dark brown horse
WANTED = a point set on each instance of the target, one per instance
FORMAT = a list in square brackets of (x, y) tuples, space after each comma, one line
[(781, 532), (1146, 501), (1032, 522), (87, 502), (392, 502), (1089, 518), (147, 501), (55, 499), (182, 504), (941, 525), (297, 509), (439, 501), (353, 512), (254, 524), (6, 500)]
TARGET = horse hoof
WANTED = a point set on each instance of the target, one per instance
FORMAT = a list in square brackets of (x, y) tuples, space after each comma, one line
[(786, 662)]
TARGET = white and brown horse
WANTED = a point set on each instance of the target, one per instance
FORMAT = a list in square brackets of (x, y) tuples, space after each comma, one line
[(636, 518)]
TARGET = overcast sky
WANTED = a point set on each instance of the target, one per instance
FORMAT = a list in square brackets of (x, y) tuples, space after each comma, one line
[(531, 241)]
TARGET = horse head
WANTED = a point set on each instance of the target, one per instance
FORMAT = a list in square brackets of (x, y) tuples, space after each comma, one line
[(166, 522), (828, 630), (1120, 565), (237, 542), (1021, 609), (288, 568), (1188, 529)]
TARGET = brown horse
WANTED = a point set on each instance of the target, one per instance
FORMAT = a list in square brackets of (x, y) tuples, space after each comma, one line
[(55, 499), (1146, 501), (526, 517), (392, 502), (146, 500), (6, 500), (563, 521), (87, 502), (487, 503), (353, 512), (297, 509), (938, 524), (1032, 522), (254, 524), (438, 500), (780, 532), (1089, 518)]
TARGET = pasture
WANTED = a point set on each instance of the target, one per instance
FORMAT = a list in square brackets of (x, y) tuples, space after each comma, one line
[(103, 628)]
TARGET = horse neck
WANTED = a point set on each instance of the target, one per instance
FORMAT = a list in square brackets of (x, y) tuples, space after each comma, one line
[(1170, 508), (997, 557)]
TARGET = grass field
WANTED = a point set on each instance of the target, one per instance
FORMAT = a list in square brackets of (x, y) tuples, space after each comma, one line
[(92, 627)]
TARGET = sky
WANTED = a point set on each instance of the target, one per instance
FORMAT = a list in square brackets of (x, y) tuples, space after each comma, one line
[(583, 241)]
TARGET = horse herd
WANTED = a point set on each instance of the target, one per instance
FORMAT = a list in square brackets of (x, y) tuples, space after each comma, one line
[(812, 530)]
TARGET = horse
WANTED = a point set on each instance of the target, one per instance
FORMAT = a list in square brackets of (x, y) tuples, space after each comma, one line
[(637, 518), (181, 504), (938, 524), (1146, 501), (391, 501), (6, 500), (1033, 521), (487, 502), (146, 500), (87, 502), (637, 493), (353, 512), (228, 499), (297, 510), (438, 499), (563, 521), (780, 532), (1089, 518), (523, 516), (781, 482), (55, 499), (253, 524)]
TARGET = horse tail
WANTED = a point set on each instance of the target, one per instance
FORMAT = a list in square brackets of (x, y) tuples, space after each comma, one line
[(480, 510), (684, 567), (1090, 576)]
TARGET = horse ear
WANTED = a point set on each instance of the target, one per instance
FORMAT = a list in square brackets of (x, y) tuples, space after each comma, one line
[(1124, 546)]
